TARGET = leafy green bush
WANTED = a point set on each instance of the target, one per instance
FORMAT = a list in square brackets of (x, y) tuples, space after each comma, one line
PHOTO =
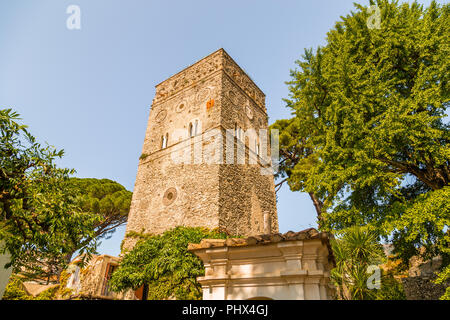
[(15, 291), (49, 294), (165, 265), (444, 277)]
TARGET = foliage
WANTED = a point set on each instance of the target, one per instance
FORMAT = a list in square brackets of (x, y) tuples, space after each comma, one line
[(369, 136), (164, 264), (393, 271), (39, 218), (354, 253), (107, 199), (49, 294), (442, 278), (391, 288), (15, 291)]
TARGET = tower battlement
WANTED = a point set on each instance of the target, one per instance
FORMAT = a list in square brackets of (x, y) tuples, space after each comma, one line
[(194, 74)]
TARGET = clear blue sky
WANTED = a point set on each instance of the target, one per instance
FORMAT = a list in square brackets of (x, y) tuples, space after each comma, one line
[(88, 91)]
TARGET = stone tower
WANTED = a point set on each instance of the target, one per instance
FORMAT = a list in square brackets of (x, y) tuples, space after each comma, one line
[(203, 156)]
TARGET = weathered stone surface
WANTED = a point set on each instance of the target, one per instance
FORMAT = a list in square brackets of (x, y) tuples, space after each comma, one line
[(290, 235), (423, 288), (91, 281), (34, 289), (419, 284), (208, 243), (277, 237), (252, 241), (235, 242), (313, 233)]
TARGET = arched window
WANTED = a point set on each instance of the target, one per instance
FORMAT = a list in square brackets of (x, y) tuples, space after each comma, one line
[(196, 127), (191, 130), (256, 147)]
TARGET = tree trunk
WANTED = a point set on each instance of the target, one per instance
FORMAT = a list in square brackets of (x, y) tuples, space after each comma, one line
[(319, 206)]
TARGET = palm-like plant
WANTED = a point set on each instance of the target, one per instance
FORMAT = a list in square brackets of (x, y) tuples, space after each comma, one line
[(354, 252)]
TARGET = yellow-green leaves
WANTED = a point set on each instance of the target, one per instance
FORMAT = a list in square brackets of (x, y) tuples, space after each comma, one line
[(370, 133)]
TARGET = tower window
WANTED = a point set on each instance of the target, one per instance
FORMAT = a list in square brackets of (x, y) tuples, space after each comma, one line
[(237, 131), (191, 130)]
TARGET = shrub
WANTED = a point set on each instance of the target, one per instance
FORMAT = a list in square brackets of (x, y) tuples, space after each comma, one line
[(164, 264)]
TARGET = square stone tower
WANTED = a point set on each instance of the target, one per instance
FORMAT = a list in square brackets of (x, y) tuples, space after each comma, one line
[(204, 154)]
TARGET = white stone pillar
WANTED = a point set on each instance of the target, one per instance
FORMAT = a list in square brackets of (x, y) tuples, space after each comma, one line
[(4, 273)]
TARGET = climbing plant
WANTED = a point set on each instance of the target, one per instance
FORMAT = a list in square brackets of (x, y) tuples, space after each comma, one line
[(164, 264)]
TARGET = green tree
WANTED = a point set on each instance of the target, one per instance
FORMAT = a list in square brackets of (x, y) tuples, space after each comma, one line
[(163, 263), (39, 216), (369, 137), (105, 199)]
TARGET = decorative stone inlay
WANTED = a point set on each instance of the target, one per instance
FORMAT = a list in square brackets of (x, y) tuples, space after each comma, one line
[(243, 80), (204, 94), (233, 97), (161, 116), (261, 122), (181, 107)]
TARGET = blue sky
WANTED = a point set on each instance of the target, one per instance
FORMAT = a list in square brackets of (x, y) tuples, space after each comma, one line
[(89, 91)]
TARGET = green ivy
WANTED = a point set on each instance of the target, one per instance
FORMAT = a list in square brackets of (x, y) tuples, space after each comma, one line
[(444, 278), (165, 265)]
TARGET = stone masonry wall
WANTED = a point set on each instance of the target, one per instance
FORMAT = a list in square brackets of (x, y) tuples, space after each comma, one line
[(174, 185)]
